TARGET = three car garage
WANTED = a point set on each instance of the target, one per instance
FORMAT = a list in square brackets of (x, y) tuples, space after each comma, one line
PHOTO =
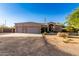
[(28, 27)]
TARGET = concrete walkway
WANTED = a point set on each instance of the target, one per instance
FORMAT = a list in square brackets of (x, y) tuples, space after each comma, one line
[(19, 35)]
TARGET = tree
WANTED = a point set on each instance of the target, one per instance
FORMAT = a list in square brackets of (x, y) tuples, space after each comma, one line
[(69, 28), (73, 19)]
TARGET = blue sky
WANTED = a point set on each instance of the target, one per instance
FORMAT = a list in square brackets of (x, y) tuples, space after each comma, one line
[(35, 12)]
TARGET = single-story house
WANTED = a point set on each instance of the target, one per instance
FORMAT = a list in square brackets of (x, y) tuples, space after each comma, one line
[(33, 27), (28, 27)]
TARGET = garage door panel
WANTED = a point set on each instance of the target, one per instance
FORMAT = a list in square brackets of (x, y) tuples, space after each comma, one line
[(19, 30), (33, 30)]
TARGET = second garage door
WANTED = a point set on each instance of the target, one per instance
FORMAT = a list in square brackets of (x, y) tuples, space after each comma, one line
[(33, 30)]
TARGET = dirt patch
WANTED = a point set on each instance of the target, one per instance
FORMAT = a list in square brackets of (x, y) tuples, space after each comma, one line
[(71, 47)]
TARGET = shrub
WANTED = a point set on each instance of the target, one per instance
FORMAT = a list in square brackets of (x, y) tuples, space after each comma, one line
[(44, 33), (67, 41), (62, 34), (43, 29)]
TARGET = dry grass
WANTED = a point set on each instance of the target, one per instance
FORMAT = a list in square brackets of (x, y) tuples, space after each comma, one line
[(62, 34)]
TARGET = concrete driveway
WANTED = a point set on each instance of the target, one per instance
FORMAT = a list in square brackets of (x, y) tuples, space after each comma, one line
[(19, 35)]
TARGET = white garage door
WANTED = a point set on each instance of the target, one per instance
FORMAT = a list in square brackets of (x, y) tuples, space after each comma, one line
[(19, 30), (33, 30)]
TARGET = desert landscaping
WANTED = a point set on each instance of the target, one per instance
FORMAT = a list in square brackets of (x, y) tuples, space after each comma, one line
[(23, 44), (35, 29), (71, 47)]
